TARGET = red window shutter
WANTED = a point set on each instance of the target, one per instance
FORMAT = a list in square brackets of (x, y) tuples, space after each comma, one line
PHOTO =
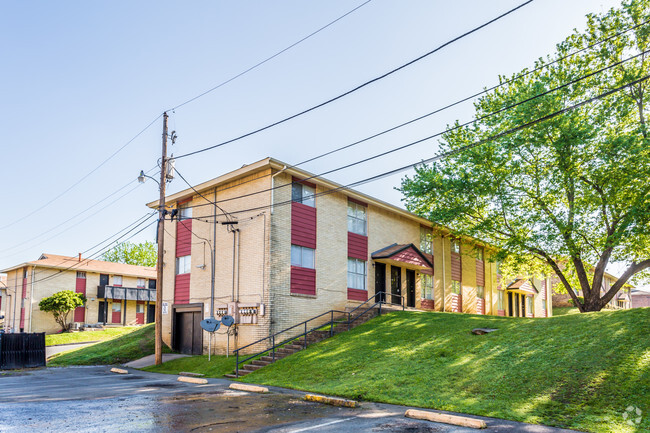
[(303, 280), (303, 225), (357, 246)]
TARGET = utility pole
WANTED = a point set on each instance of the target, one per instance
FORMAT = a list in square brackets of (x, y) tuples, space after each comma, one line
[(161, 245)]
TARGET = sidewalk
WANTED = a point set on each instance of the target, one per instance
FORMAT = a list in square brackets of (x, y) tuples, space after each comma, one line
[(151, 360)]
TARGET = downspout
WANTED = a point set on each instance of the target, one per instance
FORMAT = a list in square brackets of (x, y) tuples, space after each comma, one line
[(232, 296), (273, 187), (238, 260), (15, 300), (213, 254), (444, 275), (31, 299)]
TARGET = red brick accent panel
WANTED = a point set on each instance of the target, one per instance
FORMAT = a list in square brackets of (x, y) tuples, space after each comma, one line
[(139, 317), (456, 268), (303, 280), (357, 246), (303, 225), (357, 295), (480, 273), (183, 238), (480, 306), (501, 312), (182, 289), (456, 303), (80, 312), (427, 304)]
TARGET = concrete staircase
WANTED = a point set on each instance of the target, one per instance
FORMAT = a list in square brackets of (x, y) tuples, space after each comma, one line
[(299, 344)]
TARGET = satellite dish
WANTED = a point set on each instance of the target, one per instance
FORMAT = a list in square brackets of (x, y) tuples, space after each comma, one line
[(210, 324), (227, 320)]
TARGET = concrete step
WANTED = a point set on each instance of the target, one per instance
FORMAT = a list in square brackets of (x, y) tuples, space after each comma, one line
[(292, 346), (252, 367), (260, 362)]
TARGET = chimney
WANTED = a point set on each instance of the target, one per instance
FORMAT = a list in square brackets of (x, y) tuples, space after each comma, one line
[(79, 256)]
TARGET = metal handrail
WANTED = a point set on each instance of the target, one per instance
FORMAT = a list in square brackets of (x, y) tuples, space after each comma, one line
[(304, 323)]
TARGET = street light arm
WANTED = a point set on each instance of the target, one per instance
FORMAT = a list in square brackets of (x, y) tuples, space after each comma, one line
[(142, 176)]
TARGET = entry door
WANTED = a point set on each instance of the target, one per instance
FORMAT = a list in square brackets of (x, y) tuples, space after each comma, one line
[(511, 311), (517, 304), (101, 317), (523, 305), (151, 313), (410, 288), (380, 281), (103, 280), (395, 284)]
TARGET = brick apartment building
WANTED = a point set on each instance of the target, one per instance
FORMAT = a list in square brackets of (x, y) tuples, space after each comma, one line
[(287, 249), (117, 294)]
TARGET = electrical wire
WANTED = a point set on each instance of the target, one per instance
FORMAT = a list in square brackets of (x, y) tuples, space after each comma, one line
[(268, 58), (451, 152), (228, 216), (438, 134), (359, 87), (84, 177)]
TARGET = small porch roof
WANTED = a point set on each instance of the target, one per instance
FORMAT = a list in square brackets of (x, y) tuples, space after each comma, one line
[(404, 255), (523, 286)]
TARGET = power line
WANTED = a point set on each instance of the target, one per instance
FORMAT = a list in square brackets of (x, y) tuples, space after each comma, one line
[(453, 104), (269, 58), (361, 86), (204, 197), (438, 134), (84, 177), (451, 152)]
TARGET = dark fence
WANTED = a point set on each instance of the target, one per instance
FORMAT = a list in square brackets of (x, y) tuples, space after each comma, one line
[(22, 350)]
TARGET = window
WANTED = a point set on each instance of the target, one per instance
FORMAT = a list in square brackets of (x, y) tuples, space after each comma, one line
[(455, 246), (455, 287), (117, 280), (116, 307), (427, 286), (81, 275), (184, 212), (529, 304), (303, 194), (139, 308), (357, 218), (356, 274), (141, 283), (183, 264), (302, 256), (500, 300), (426, 241), (479, 254), (25, 273), (498, 268), (480, 292)]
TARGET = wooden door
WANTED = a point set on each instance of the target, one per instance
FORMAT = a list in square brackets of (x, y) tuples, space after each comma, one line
[(396, 285), (410, 288), (380, 281)]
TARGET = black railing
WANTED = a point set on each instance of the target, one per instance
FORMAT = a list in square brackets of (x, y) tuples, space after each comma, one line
[(343, 317), (128, 293)]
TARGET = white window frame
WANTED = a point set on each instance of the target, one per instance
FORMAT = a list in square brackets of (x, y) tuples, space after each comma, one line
[(357, 274), (141, 283), (118, 280), (480, 292), (357, 218), (427, 286), (139, 307), (301, 193), (480, 254), (81, 275), (184, 264), (426, 241), (303, 257), (118, 309), (455, 246), (501, 300), (184, 212), (455, 287)]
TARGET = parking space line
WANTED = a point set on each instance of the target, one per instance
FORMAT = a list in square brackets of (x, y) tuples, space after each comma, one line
[(314, 427)]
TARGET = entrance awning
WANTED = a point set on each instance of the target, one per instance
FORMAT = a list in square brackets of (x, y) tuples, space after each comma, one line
[(403, 255), (522, 286)]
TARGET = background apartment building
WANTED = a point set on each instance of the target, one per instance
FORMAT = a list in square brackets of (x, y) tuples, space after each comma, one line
[(288, 247), (117, 294)]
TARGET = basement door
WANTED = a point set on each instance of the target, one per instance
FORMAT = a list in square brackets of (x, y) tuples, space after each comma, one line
[(188, 334)]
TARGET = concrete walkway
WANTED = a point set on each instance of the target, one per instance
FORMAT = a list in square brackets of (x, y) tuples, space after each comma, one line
[(58, 348), (151, 360)]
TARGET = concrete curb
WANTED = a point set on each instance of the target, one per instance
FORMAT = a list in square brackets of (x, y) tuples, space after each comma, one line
[(119, 371), (334, 401), (190, 374), (446, 419), (192, 380), (250, 388)]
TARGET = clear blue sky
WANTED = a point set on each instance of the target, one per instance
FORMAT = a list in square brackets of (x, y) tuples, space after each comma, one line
[(79, 79)]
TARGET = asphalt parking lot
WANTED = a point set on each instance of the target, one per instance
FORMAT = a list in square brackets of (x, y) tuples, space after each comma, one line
[(92, 399)]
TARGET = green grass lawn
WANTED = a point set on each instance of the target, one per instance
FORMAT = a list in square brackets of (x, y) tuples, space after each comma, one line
[(79, 337), (574, 371), (216, 367), (131, 345), (563, 311)]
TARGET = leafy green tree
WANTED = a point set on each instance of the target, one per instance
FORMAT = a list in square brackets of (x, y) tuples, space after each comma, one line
[(571, 190), (143, 254), (61, 304)]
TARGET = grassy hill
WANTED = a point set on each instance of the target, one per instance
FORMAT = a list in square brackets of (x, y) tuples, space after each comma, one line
[(133, 343), (575, 371)]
